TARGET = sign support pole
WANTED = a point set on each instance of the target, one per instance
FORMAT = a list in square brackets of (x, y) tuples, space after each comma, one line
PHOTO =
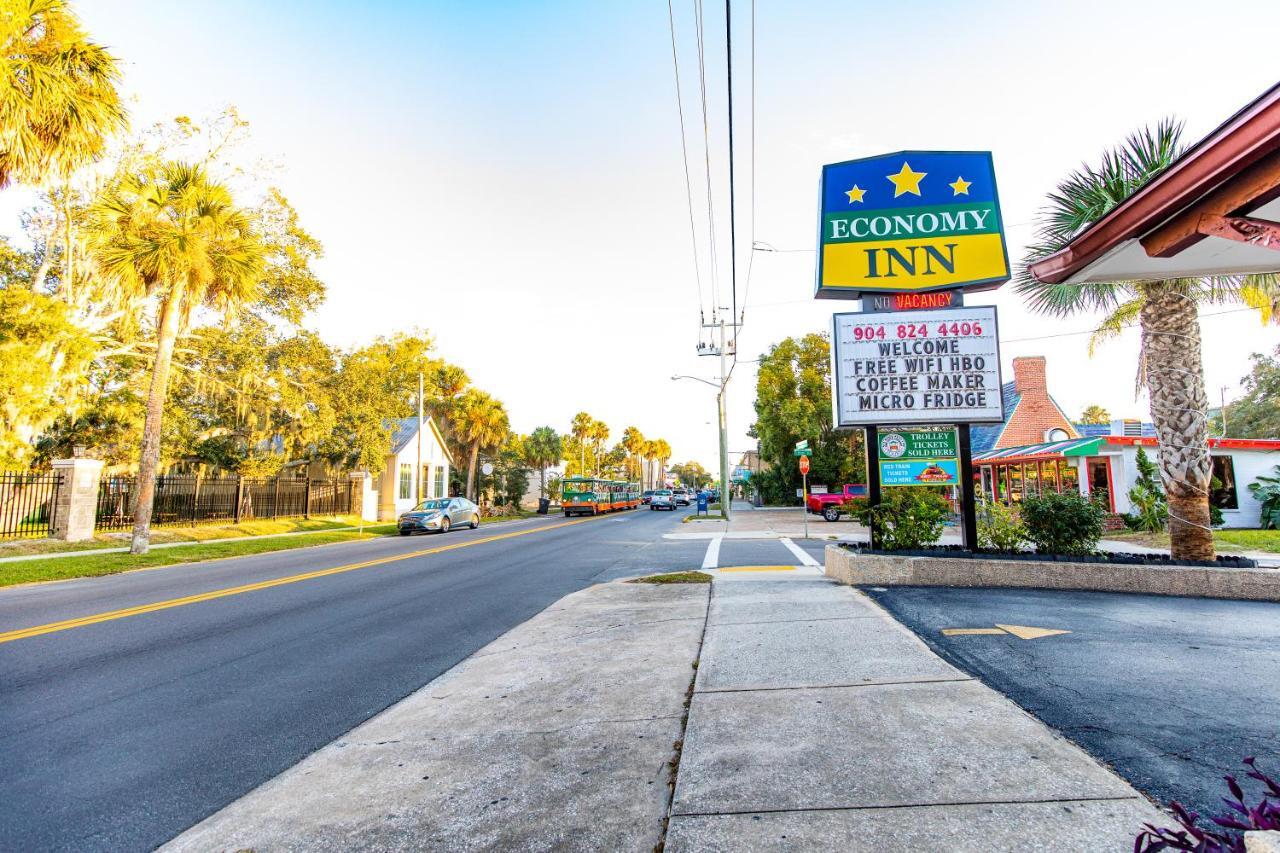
[(805, 501), (968, 509), (873, 477)]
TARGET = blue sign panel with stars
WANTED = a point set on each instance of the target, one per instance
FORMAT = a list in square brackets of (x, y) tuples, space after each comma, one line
[(910, 221)]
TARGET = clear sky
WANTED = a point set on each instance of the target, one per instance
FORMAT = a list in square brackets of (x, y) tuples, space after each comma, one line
[(509, 176)]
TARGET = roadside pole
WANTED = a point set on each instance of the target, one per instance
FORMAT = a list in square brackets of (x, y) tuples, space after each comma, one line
[(725, 500), (969, 509), (873, 479), (417, 472), (804, 492)]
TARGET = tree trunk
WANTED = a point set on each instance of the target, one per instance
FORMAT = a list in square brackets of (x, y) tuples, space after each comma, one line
[(542, 481), (471, 472), (1174, 377), (149, 460)]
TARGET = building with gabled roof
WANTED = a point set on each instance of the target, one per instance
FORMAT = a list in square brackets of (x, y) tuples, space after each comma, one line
[(398, 489)]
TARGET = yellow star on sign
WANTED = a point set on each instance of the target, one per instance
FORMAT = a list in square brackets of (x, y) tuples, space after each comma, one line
[(961, 186), (855, 194), (906, 181)]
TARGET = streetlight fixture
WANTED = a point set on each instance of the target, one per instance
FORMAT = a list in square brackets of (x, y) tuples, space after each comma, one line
[(725, 499)]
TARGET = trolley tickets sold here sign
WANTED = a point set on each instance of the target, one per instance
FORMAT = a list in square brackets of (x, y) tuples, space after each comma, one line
[(912, 367)]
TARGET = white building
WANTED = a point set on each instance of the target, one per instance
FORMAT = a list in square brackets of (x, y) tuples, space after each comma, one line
[(396, 486)]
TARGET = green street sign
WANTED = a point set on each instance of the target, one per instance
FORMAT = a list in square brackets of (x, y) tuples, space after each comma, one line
[(802, 451), (919, 457)]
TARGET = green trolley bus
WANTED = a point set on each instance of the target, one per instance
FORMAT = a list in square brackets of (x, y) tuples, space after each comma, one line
[(592, 495)]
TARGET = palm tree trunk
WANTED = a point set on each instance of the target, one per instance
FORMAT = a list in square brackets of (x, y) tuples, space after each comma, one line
[(149, 459), (1174, 376), (471, 472)]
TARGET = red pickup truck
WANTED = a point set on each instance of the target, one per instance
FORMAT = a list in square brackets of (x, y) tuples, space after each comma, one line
[(828, 504)]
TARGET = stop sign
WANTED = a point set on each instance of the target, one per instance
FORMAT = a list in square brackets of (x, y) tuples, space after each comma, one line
[(804, 464)]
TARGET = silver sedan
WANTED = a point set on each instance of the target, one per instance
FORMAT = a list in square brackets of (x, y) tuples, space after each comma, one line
[(440, 515)]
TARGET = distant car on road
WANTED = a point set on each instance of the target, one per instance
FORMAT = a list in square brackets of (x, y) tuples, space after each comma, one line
[(440, 515), (829, 504), (663, 499), (682, 496), (646, 497)]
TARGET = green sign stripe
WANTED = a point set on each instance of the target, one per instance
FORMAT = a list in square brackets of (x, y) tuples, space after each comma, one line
[(947, 220)]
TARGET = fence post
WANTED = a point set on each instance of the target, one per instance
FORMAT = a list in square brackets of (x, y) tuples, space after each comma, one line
[(195, 501), (75, 506), (275, 500), (306, 500), (239, 497)]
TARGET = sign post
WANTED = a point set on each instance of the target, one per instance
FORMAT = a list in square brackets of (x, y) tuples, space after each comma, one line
[(909, 234), (804, 490)]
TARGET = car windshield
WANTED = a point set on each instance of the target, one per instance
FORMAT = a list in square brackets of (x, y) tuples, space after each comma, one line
[(663, 492), (432, 504)]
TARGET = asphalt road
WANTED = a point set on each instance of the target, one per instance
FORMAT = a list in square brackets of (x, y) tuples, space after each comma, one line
[(1171, 692), (119, 734)]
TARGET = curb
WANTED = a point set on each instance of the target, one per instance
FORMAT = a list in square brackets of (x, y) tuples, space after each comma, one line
[(1190, 581)]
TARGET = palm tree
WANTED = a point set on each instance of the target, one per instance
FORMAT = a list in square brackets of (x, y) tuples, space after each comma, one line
[(580, 429), (481, 422), (662, 452), (58, 99), (172, 234), (1169, 363), (633, 442), (543, 448), (599, 434)]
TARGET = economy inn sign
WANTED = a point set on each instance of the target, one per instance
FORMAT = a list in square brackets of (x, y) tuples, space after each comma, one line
[(910, 221)]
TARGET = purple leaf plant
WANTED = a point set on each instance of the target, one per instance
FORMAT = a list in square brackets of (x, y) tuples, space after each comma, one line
[(1226, 834)]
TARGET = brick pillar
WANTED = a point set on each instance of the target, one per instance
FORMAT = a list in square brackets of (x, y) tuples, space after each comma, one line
[(77, 504), (366, 499)]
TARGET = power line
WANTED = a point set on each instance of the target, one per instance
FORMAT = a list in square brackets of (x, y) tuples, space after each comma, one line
[(684, 154), (733, 233), (706, 150)]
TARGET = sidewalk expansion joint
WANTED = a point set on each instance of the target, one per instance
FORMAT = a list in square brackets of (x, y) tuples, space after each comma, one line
[(835, 686), (780, 621), (599, 630), (891, 807)]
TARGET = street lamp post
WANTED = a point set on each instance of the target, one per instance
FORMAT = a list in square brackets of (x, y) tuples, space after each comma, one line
[(724, 446)]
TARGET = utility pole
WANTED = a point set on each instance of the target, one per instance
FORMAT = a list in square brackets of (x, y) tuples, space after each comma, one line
[(417, 473), (1224, 411), (722, 350)]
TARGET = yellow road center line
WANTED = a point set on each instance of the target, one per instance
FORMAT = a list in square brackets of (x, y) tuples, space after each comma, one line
[(82, 621), (757, 568)]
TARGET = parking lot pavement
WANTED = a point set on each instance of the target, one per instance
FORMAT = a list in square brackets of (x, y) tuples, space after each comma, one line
[(1171, 692)]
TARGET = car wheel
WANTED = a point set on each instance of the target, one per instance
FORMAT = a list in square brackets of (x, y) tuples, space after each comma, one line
[(475, 522), (444, 524), (404, 533), (831, 514)]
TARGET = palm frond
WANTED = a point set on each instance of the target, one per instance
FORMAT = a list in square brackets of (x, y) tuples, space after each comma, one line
[(1117, 321)]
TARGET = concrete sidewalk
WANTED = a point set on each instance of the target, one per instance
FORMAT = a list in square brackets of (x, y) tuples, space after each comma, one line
[(818, 722)]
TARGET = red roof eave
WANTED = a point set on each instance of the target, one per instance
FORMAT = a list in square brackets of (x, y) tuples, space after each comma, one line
[(1238, 143), (1272, 444)]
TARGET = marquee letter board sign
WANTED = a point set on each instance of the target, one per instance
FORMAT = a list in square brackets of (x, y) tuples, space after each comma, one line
[(916, 367)]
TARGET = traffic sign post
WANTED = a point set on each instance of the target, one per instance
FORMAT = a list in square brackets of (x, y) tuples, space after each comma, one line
[(804, 489)]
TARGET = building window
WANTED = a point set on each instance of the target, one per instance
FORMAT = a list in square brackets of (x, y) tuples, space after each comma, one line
[(439, 489), (1015, 483), (1222, 488), (1069, 476), (1031, 479), (424, 480), (1100, 483), (406, 482)]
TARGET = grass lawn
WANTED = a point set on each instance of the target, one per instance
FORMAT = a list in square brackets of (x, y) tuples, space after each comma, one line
[(1226, 540), (55, 568), (675, 577), (201, 533)]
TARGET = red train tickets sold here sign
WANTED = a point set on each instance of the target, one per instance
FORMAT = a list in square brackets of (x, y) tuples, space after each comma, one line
[(916, 367)]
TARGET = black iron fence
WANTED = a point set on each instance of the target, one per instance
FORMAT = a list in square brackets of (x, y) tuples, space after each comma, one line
[(189, 499), (28, 503)]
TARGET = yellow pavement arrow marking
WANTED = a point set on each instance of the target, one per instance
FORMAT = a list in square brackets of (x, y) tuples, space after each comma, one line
[(82, 621), (964, 632), (757, 568), (1024, 632)]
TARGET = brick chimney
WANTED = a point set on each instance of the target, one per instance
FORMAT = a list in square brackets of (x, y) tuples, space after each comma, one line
[(1028, 376)]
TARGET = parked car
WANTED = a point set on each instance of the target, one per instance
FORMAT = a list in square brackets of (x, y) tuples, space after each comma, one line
[(441, 515), (682, 496), (663, 499), (646, 496), (829, 504)]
